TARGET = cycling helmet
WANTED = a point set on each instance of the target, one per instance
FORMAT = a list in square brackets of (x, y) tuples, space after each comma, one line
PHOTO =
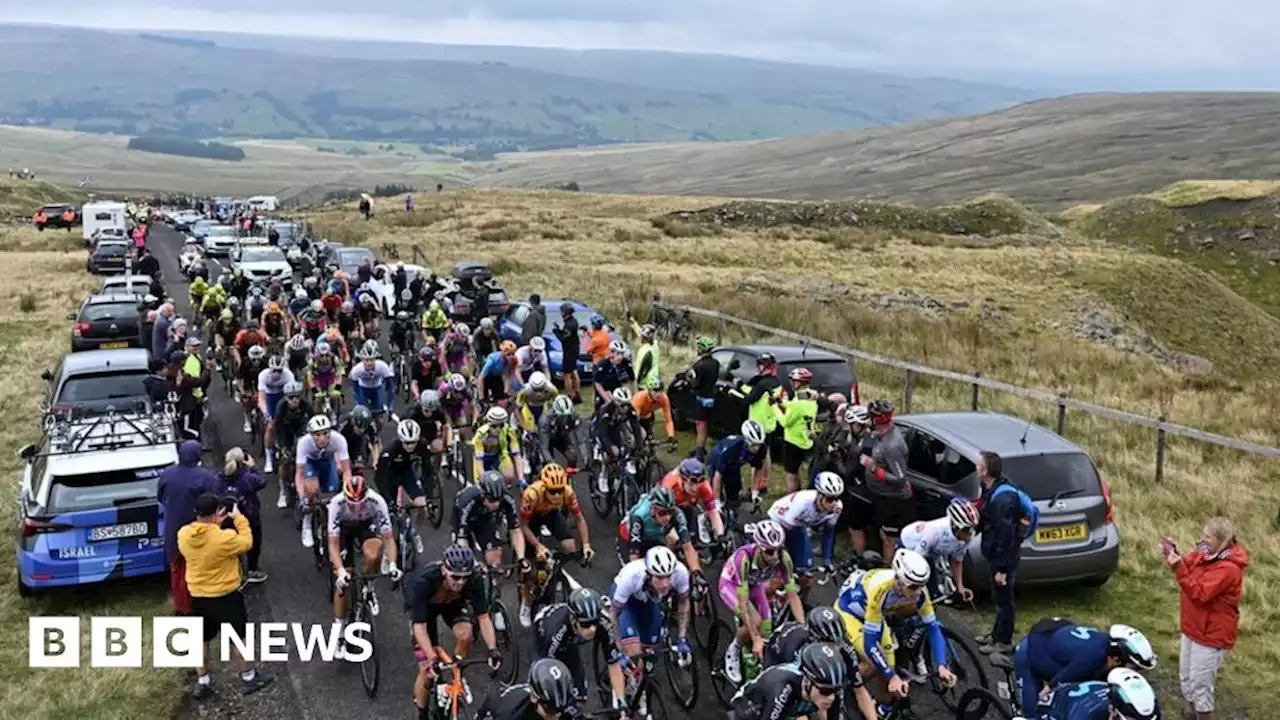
[(910, 567), (691, 469), (457, 382), (857, 414), (617, 346), (367, 353), (705, 344), (429, 400), (459, 560), (300, 294), (801, 375), (826, 626), (367, 299), (597, 321), (584, 604), (537, 344), (406, 295), (881, 412), (233, 303), (276, 362), (660, 561), (963, 514), (552, 685), (829, 484), (226, 313), (621, 395), (361, 416), (254, 325), (408, 431), (492, 485), (496, 416), (293, 388), (322, 348), (317, 306), (768, 534), (646, 331), (662, 498), (766, 360), (402, 316), (371, 345), (486, 323), (823, 664), (427, 352), (562, 405), (1131, 695), (538, 381), (1132, 647), (753, 432), (554, 477), (298, 342), (354, 489), (257, 352), (238, 271)]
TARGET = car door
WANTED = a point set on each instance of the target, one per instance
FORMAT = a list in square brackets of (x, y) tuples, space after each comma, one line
[(513, 323), (736, 367), (932, 471)]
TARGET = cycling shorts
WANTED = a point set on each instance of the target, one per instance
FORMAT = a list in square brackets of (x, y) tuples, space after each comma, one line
[(639, 620), (273, 402), (401, 478), (702, 407), (800, 546), (371, 398), (326, 471), (758, 596)]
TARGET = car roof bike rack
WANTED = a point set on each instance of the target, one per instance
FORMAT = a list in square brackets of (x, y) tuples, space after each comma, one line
[(70, 432)]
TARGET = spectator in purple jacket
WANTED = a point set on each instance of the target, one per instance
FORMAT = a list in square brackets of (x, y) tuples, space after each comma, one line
[(179, 487), (242, 483)]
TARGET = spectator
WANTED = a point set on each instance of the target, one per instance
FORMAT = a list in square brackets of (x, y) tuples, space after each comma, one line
[(535, 323), (213, 577), (156, 383), (408, 202), (1211, 581), (179, 488), (243, 481), (177, 337), (147, 263), (570, 348), (1000, 525), (192, 379), (160, 332)]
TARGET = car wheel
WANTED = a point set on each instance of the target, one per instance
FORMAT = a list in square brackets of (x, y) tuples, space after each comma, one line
[(23, 589), (1096, 581)]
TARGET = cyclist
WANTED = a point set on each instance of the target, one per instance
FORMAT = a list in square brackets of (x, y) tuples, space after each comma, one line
[(271, 384), (458, 401), (247, 338), (224, 331), (560, 629), (297, 352), (323, 465), (612, 373), (275, 323), (749, 578), (946, 537), (437, 430), (372, 380), (485, 342), (796, 417), (703, 377), (237, 285), (313, 320), (361, 436), (654, 522), (199, 285), (434, 322), (481, 512), (497, 373), (529, 405), (647, 365), (688, 482), (808, 687), (806, 510), (341, 347), (617, 430), (876, 603), (635, 607), (649, 400), (449, 590), (369, 314), (548, 695), (1125, 695), (530, 359), (547, 504), (455, 346), (724, 463), (297, 305), (325, 373), (561, 431), (247, 383), (838, 450), (396, 475), (497, 447), (1057, 652), (291, 416), (359, 522), (214, 300), (886, 475)]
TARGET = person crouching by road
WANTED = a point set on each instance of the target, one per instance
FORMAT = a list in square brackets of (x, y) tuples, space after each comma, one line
[(213, 577), (1210, 582), (243, 482), (180, 486)]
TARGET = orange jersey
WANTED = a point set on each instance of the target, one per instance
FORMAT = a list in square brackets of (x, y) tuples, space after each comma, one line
[(645, 404), (535, 500), (703, 494), (598, 344), (246, 339)]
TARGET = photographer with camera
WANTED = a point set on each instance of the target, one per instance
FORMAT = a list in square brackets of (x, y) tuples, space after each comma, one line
[(242, 482)]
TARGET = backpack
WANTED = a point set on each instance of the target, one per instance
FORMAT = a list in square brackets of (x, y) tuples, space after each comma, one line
[(1029, 509)]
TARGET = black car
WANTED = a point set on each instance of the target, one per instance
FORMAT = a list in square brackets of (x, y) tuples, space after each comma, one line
[(831, 374), (105, 322), (460, 304), (108, 256), (54, 216)]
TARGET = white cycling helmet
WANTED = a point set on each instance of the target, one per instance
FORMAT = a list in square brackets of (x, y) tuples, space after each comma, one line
[(537, 344), (768, 533), (486, 323), (753, 432), (367, 353), (496, 416), (857, 414), (910, 567), (829, 484), (562, 405), (276, 362), (457, 382), (292, 388), (660, 561), (617, 346), (622, 395), (298, 342), (963, 514), (538, 381), (319, 424), (1132, 647), (462, 329), (1131, 696), (408, 431), (257, 352)]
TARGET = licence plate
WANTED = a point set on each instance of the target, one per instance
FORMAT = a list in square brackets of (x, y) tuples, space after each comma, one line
[(1061, 533), (116, 532), (114, 345)]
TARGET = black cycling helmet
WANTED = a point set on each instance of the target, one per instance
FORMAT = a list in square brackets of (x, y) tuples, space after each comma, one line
[(361, 416), (459, 560), (492, 485), (823, 664), (663, 498), (826, 626), (584, 605), (552, 685)]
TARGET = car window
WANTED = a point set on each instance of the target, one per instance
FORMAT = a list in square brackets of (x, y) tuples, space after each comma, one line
[(722, 357), (102, 386), (111, 248), (826, 373), (925, 453), (267, 254), (746, 367), (519, 313), (1043, 476), (102, 489), (109, 311)]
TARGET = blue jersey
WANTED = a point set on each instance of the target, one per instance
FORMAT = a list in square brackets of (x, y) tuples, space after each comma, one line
[(495, 365), (1071, 654), (1078, 701), (729, 454)]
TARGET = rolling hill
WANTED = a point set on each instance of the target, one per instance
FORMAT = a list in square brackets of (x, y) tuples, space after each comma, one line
[(145, 83), (1049, 153)]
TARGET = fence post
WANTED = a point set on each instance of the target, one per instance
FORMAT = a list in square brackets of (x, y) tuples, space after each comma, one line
[(1062, 412), (1160, 451), (908, 390), (973, 402)]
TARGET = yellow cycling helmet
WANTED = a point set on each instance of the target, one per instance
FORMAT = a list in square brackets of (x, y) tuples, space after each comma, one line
[(227, 314), (554, 477)]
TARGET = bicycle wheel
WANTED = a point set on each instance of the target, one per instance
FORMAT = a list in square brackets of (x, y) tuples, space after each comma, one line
[(407, 543), (717, 642), (655, 705), (370, 667), (967, 665), (683, 680), (601, 501), (979, 703), (435, 503), (508, 644), (600, 652)]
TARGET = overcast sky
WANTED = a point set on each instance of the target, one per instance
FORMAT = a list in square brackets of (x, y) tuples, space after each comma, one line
[(1161, 43)]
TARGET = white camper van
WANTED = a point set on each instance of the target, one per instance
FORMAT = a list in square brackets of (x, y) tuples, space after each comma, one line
[(101, 215), (264, 203)]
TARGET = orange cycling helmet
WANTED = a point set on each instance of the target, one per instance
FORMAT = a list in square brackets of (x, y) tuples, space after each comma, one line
[(332, 333), (554, 477), (355, 490)]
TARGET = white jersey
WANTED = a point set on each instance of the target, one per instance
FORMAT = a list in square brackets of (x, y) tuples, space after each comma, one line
[(372, 513), (309, 451), (800, 509), (934, 538), (631, 583), (272, 382), (527, 362), (371, 379)]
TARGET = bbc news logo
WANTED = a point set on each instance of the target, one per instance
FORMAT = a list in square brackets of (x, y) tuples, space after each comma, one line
[(178, 642)]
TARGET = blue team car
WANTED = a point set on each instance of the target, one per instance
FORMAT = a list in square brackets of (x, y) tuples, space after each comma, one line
[(514, 319), (88, 503)]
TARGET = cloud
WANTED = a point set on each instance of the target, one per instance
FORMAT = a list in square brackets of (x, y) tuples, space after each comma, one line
[(986, 38)]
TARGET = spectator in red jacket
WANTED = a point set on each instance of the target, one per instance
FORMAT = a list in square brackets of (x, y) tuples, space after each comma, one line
[(1211, 581)]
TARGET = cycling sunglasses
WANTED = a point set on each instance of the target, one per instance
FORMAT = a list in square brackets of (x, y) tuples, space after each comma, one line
[(555, 491), (825, 691), (770, 552), (456, 577)]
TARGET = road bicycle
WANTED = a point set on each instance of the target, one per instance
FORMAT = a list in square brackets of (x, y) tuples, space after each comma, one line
[(363, 608), (409, 546), (449, 698), (503, 625), (980, 703), (643, 697)]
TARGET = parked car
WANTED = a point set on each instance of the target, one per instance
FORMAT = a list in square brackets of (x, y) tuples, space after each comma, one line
[(385, 289), (106, 233), (1077, 539), (263, 263), (108, 256), (54, 216), (510, 329), (137, 285), (89, 383), (460, 303), (105, 322), (831, 374)]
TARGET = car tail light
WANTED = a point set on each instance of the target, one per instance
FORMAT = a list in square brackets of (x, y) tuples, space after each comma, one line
[(1106, 496), (855, 395), (81, 327), (32, 527)]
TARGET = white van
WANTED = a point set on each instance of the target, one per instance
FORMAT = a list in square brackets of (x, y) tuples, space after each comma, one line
[(264, 203), (100, 215)]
